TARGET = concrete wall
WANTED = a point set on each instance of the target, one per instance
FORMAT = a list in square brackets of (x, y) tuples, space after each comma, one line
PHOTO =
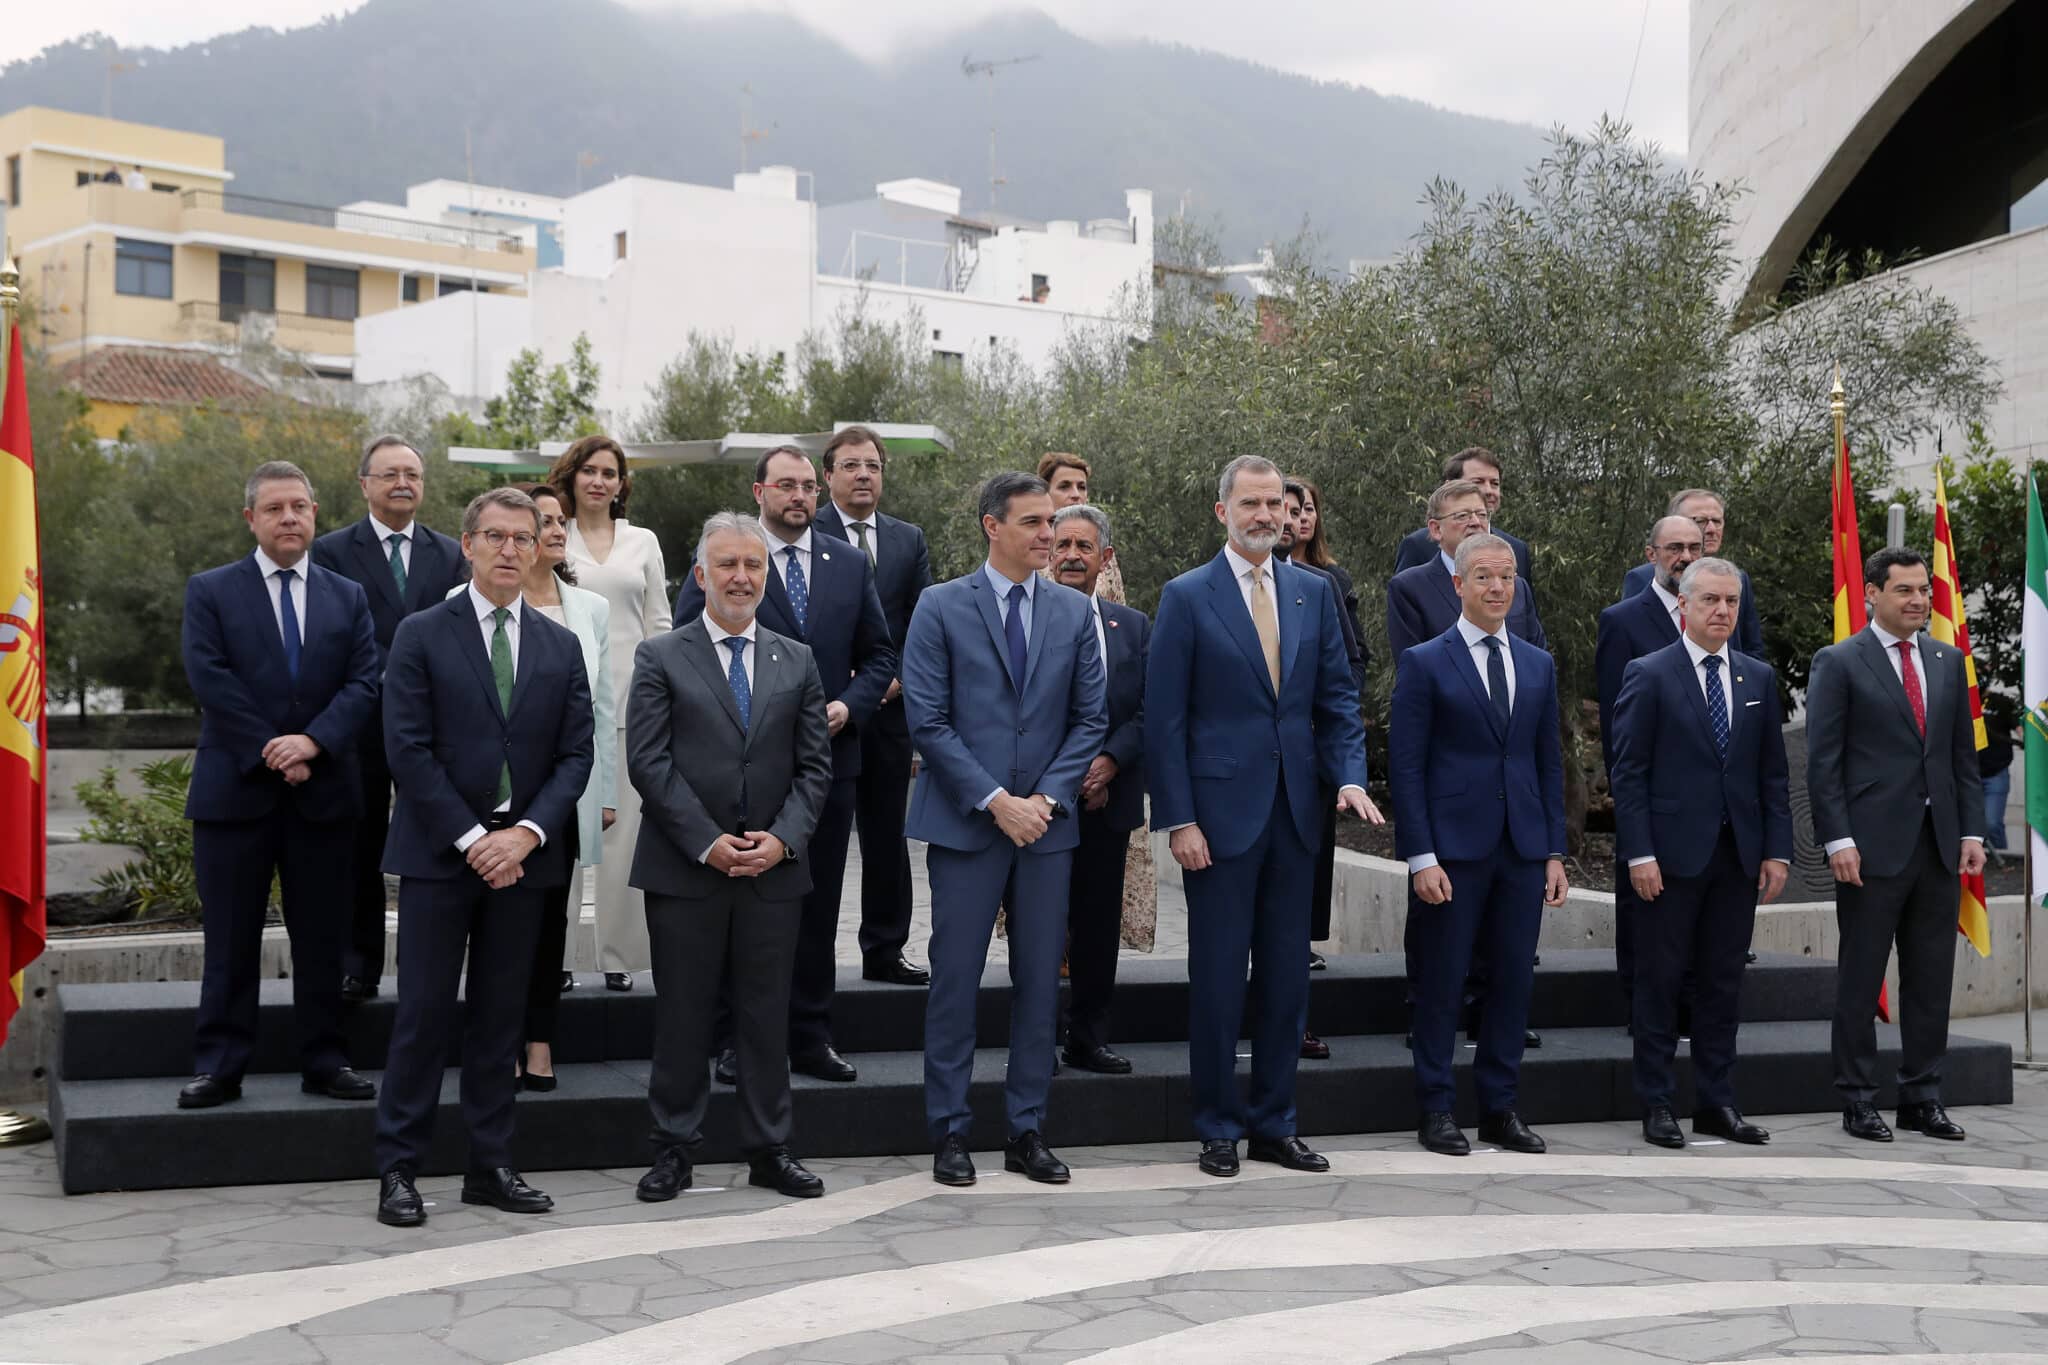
[(466, 339)]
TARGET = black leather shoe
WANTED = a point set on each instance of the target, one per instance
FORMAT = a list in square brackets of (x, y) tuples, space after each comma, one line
[(1027, 1155), (344, 1084), (1749, 957), (1507, 1131), (1289, 1151), (895, 971), (398, 1203), (1660, 1127), (1931, 1120), (1531, 1040), (1099, 1059), (825, 1063), (204, 1092), (775, 1169), (1219, 1157), (1408, 1041), (1863, 1121), (503, 1188), (618, 981), (1316, 962), (1314, 1049), (1727, 1122), (726, 1070), (668, 1177), (951, 1165), (355, 990), (1439, 1132), (568, 982)]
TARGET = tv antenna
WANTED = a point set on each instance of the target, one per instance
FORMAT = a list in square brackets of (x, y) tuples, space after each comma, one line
[(970, 69), (748, 132)]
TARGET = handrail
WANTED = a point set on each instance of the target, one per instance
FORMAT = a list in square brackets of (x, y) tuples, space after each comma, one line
[(352, 220)]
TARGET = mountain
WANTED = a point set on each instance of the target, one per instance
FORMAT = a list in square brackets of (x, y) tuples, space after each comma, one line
[(360, 106)]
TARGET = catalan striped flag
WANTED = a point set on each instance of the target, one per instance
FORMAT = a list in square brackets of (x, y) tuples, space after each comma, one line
[(1949, 626), (23, 735)]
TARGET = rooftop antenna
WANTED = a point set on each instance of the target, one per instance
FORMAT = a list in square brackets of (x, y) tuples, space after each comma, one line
[(748, 132), (584, 161), (970, 69)]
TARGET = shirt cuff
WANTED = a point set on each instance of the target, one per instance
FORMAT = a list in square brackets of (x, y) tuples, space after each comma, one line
[(1638, 862), (1185, 824), (538, 832), (705, 856), (1421, 862), (1834, 846), (983, 803), (1974, 838), (474, 833), (1353, 787)]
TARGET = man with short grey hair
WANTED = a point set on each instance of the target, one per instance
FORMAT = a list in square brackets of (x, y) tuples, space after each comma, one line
[(1709, 511)]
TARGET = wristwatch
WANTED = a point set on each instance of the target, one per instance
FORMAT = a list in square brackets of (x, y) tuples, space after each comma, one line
[(1053, 809)]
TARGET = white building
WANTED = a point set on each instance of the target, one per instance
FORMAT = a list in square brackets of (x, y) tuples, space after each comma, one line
[(645, 263)]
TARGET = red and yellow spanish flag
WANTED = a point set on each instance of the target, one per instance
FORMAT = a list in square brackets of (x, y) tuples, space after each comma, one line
[(23, 732), (1849, 617), (1949, 626)]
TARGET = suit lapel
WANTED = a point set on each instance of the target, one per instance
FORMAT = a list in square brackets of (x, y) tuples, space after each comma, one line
[(1937, 683), (704, 656), (376, 568), (1290, 604), (1468, 667), (1034, 649), (1226, 600), (430, 565), (992, 617), (529, 656), (256, 601), (778, 598), (769, 662), (1871, 651), (469, 638), (1440, 579)]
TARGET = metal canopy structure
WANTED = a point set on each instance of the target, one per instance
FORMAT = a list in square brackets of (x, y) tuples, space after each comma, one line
[(735, 447)]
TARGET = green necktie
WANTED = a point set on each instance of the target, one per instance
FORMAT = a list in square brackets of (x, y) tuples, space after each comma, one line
[(501, 673), (860, 536), (398, 561)]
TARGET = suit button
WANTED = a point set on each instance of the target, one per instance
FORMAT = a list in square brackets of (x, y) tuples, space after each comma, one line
[(1276, 753), (1020, 729), (1500, 796)]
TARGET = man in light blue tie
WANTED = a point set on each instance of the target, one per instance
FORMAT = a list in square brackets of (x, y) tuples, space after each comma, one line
[(1003, 688)]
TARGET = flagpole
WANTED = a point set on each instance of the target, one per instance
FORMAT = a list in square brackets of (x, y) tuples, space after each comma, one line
[(2027, 1061)]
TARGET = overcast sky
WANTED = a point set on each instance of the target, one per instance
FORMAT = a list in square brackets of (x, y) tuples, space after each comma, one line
[(1537, 61)]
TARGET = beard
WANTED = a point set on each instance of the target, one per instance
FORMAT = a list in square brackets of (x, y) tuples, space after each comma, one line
[(1255, 541)]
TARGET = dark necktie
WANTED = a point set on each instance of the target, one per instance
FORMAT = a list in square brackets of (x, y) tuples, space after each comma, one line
[(742, 696), (288, 612), (1717, 705), (799, 591), (501, 674), (1497, 680), (1013, 634), (398, 561), (1910, 676), (860, 538)]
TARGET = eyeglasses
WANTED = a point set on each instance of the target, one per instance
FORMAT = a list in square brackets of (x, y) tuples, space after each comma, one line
[(496, 539), (858, 466), (395, 476), (787, 486), (1463, 518), (1679, 547)]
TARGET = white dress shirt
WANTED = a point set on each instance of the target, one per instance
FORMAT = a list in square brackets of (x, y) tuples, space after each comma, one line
[(483, 607), (1670, 601), (384, 534), (802, 546), (273, 585), (1475, 643), (1450, 564), (849, 521), (1699, 676), (1101, 640), (719, 635), (1000, 585), (1891, 645)]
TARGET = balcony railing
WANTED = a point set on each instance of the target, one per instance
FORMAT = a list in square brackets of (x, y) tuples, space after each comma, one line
[(350, 220), (205, 317)]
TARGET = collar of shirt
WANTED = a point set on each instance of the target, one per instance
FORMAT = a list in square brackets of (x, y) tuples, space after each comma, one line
[(1696, 654), (802, 544), (1472, 634), (849, 520), (1450, 565), (384, 533), (719, 634), (484, 606), (270, 568), (1890, 641), (1003, 585), (1664, 595), (1240, 566)]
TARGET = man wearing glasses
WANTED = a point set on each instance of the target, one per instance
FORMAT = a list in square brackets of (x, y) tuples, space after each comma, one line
[(1708, 511), (403, 567)]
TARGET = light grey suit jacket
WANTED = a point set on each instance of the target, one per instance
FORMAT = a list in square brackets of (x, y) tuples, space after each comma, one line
[(700, 773)]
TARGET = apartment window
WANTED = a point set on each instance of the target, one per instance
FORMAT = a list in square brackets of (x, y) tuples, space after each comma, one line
[(14, 182), (951, 361), (142, 268), (449, 286), (248, 284), (619, 245), (332, 292), (409, 289)]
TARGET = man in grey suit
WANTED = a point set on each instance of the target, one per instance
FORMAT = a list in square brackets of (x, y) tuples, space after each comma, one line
[(728, 746), (1891, 770)]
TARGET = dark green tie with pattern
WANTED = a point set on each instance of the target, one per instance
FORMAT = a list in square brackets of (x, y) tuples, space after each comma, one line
[(398, 562), (501, 673)]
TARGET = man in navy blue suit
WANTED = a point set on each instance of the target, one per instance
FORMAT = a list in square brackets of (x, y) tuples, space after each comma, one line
[(403, 567), (1478, 777), (1112, 794), (854, 461), (1628, 630), (1474, 464), (1249, 706), (824, 595), (1709, 512), (1002, 682), (1703, 818), (280, 656), (488, 730)]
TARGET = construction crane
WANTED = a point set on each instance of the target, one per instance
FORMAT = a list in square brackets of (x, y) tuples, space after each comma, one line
[(970, 69)]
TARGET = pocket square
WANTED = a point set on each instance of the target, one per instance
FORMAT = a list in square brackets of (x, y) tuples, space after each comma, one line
[(1753, 703)]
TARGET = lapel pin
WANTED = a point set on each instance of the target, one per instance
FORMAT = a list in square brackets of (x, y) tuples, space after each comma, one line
[(1112, 625), (1738, 677), (774, 658), (1298, 602), (824, 554)]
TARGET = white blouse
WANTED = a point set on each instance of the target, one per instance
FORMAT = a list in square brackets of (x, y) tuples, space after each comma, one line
[(633, 580)]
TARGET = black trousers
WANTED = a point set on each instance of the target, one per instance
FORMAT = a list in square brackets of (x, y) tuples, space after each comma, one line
[(1095, 915), (363, 953), (1917, 910), (544, 982), (1689, 948), (440, 922), (233, 861), (1626, 906), (881, 794)]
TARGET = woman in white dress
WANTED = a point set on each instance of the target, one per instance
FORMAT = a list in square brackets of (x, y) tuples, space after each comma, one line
[(621, 563)]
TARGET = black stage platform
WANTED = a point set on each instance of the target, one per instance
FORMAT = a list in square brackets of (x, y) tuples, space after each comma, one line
[(123, 1051)]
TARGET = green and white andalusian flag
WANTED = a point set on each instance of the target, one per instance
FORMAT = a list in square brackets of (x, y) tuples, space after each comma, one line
[(2034, 644)]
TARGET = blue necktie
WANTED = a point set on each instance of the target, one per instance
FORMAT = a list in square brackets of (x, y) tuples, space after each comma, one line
[(1013, 634), (1497, 679), (799, 591), (737, 676), (1717, 706), (290, 615)]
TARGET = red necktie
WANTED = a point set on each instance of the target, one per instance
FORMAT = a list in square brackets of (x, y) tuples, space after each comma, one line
[(1911, 677)]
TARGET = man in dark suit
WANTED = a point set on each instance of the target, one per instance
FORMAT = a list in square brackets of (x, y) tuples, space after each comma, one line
[(729, 746), (1891, 767), (488, 730), (1703, 818), (826, 599), (403, 567), (1250, 713), (1002, 681), (279, 654), (854, 460), (1478, 778), (1710, 513), (1474, 464), (1112, 794), (1628, 630)]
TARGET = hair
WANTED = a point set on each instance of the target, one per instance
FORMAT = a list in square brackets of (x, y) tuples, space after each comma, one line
[(537, 491), (1683, 496), (1089, 513), (271, 471), (377, 444), (1650, 537), (1456, 488), (1879, 565), (854, 436), (508, 496), (1055, 460), (720, 523), (1454, 468), (1243, 464), (1478, 544), (1291, 487), (1316, 549), (1707, 564), (563, 474), (999, 489), (761, 465)]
